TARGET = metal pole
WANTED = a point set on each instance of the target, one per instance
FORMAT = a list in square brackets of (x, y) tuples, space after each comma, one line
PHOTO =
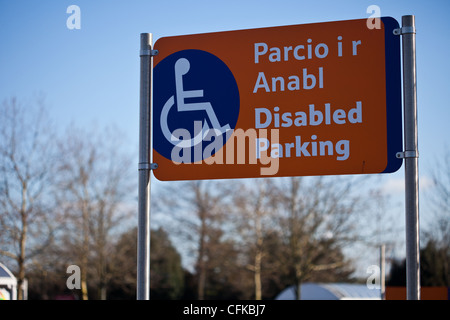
[(382, 272), (143, 241), (411, 158)]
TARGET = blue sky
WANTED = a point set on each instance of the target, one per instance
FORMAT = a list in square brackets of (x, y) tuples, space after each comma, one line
[(91, 75)]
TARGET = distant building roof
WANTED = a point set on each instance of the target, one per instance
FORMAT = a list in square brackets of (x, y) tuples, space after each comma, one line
[(6, 276), (330, 291), (8, 284)]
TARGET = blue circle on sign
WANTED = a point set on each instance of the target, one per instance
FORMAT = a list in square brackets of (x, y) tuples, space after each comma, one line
[(195, 105)]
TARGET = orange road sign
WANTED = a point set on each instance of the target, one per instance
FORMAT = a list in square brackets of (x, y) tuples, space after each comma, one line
[(313, 99)]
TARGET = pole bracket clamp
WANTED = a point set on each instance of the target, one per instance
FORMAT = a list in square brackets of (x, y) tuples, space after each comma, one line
[(147, 166), (407, 154), (404, 30), (148, 52)]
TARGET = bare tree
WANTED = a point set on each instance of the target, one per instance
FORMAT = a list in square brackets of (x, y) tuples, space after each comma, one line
[(94, 182), (440, 200), (438, 231), (26, 170), (315, 218), (253, 220), (196, 209)]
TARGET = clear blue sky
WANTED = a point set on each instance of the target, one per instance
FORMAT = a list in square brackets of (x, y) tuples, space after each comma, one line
[(92, 74)]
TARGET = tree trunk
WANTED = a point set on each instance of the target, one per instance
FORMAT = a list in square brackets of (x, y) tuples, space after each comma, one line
[(201, 262), (258, 285), (298, 291), (259, 253), (22, 243), (85, 251)]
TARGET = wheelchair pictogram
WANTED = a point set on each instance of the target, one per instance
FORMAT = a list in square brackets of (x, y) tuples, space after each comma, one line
[(195, 104), (182, 67)]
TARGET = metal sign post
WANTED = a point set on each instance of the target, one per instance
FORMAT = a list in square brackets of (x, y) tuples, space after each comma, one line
[(143, 241), (411, 155)]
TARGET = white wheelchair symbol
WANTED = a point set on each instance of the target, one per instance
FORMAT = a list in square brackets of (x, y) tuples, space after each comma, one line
[(182, 67)]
